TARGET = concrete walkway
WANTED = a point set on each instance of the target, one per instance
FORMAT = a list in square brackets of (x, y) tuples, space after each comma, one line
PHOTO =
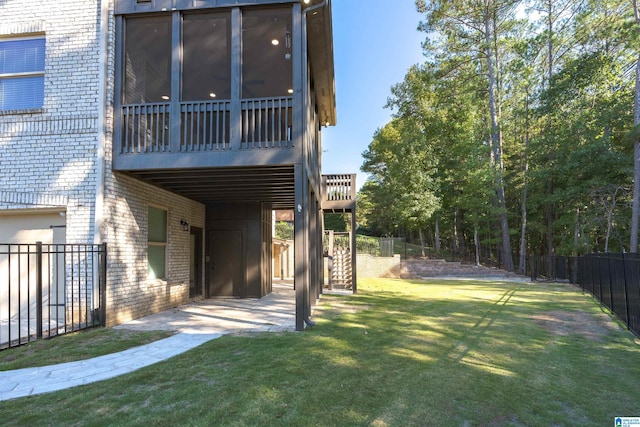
[(195, 323)]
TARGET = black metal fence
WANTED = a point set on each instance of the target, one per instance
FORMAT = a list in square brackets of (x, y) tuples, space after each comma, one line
[(50, 289), (613, 278), (553, 268)]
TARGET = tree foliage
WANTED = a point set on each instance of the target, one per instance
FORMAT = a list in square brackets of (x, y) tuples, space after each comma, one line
[(520, 117)]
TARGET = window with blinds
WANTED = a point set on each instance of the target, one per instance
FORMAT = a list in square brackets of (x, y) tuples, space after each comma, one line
[(22, 73)]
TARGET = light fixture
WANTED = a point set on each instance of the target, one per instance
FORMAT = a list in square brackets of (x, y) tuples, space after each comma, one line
[(306, 1), (165, 97), (212, 95), (275, 42), (287, 39), (290, 90), (184, 224)]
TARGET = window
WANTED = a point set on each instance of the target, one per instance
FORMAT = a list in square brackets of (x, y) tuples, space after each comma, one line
[(147, 76), (266, 53), (22, 73), (206, 65), (157, 243)]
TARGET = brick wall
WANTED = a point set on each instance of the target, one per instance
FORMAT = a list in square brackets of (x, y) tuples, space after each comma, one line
[(129, 294), (48, 155)]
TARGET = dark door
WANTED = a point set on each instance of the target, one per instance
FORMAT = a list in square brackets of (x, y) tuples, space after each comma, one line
[(226, 275), (195, 257)]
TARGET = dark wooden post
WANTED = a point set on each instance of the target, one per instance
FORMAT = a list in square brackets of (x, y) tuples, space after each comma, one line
[(354, 249)]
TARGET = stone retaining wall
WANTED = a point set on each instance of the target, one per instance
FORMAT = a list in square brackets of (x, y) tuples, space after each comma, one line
[(371, 266)]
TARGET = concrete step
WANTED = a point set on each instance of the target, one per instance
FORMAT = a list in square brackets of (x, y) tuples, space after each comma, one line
[(411, 269)]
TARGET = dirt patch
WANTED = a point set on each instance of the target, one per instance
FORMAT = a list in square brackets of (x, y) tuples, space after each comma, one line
[(565, 323)]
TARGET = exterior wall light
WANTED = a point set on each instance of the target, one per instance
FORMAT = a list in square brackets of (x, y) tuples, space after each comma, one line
[(184, 224)]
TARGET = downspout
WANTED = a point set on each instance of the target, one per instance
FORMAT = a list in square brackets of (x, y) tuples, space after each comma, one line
[(98, 208), (305, 72)]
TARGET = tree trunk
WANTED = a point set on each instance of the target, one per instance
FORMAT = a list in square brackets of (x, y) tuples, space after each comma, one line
[(496, 145), (422, 241), (522, 265), (549, 207), (576, 233), (476, 242), (437, 236), (610, 220)]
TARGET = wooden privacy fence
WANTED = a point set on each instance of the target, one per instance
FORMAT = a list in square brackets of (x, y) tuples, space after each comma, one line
[(50, 289)]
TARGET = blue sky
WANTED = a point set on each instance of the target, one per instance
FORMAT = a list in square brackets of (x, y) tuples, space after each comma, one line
[(375, 43)]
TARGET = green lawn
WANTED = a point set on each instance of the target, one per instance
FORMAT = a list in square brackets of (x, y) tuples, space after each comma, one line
[(400, 353), (75, 346)]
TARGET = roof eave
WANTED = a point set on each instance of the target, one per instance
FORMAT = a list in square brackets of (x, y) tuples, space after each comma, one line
[(320, 42)]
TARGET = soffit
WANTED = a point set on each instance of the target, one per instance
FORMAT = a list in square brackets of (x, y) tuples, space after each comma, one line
[(320, 42), (273, 185)]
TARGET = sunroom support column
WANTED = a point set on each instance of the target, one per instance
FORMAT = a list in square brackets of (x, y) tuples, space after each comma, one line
[(176, 70), (301, 248), (236, 77)]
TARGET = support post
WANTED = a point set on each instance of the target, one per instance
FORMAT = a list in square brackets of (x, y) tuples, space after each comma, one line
[(103, 285), (354, 275), (38, 290), (235, 129), (176, 69), (330, 259), (300, 247)]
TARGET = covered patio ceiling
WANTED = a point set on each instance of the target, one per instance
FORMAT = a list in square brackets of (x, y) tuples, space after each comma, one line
[(272, 184)]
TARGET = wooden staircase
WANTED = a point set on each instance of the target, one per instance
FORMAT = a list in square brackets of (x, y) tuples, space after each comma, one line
[(342, 274)]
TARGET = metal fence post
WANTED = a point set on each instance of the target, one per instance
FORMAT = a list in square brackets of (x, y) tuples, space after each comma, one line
[(626, 292), (103, 284), (38, 290)]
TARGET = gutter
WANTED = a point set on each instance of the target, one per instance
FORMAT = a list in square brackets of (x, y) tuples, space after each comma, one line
[(101, 136)]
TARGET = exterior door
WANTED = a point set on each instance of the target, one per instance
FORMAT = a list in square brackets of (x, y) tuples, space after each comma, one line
[(226, 275)]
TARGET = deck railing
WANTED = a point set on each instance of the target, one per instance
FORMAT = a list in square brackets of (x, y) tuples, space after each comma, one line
[(145, 128), (339, 187), (267, 123), (263, 123), (205, 126)]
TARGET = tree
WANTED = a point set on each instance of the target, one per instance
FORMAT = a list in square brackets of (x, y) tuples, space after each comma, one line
[(635, 216), (476, 28)]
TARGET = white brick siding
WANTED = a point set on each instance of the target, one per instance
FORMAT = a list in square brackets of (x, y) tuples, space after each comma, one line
[(48, 155), (48, 158), (129, 293)]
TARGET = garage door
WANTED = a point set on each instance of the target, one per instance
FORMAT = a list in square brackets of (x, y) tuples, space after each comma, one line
[(30, 228), (18, 272)]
